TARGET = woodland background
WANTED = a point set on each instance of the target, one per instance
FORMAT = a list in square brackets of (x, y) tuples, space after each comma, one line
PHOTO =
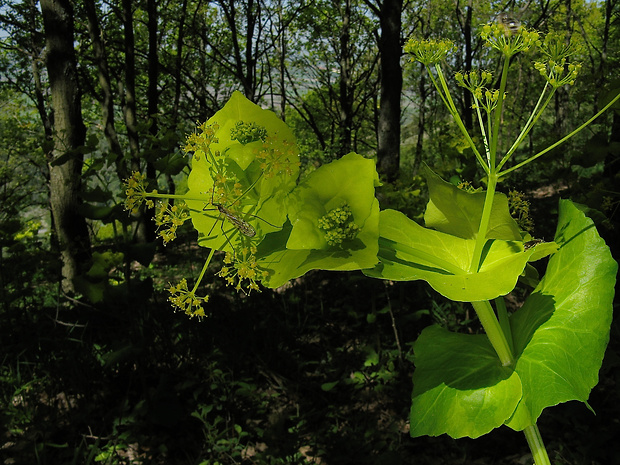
[(95, 366)]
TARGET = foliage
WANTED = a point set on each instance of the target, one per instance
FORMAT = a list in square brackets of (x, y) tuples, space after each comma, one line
[(319, 376), (470, 250), (468, 385), (243, 200)]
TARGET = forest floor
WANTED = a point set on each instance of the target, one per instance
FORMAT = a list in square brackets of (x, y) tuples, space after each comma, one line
[(318, 371)]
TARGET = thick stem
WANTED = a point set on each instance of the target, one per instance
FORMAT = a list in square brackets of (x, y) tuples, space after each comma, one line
[(534, 440), (504, 321), (494, 331), (481, 238)]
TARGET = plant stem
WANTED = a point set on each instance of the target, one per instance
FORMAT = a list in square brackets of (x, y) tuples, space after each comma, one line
[(204, 269), (561, 141), (494, 331), (200, 198), (504, 322), (498, 112), (534, 116), (444, 92), (481, 238), (534, 440)]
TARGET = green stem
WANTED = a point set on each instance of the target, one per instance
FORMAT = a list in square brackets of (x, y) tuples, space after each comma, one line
[(481, 238), (534, 440), (498, 112), (561, 141), (444, 92), (204, 270), (202, 198), (482, 131), (494, 331), (534, 116), (504, 321)]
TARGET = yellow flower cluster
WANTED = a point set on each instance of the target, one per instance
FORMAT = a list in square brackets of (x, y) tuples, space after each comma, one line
[(245, 133), (509, 41), (556, 69), (277, 157), (135, 192), (520, 210), (338, 225), (430, 51), (184, 299), (475, 81), (200, 141), (242, 271), (169, 218)]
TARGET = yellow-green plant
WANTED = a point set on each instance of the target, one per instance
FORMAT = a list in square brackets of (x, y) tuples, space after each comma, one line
[(245, 199), (472, 250)]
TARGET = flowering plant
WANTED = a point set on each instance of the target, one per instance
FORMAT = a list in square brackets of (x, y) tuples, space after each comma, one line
[(245, 199)]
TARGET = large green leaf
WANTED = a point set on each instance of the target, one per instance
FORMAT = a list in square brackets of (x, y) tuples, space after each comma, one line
[(409, 252), (301, 245), (560, 335), (562, 330), (459, 386), (454, 211)]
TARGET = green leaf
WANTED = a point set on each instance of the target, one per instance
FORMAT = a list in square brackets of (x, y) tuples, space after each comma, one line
[(459, 385), (562, 330), (454, 211), (560, 335), (261, 201), (350, 180), (329, 386), (408, 252)]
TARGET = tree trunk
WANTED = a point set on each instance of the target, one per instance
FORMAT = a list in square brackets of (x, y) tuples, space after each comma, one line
[(345, 84), (466, 29), (69, 134), (141, 225), (153, 108), (388, 150), (131, 120), (417, 159), (107, 101)]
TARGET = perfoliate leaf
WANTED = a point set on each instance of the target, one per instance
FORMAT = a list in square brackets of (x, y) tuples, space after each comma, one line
[(560, 335), (252, 155), (453, 211), (460, 387), (408, 252), (302, 244)]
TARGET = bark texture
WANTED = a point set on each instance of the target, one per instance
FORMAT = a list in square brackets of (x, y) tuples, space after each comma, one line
[(65, 164), (388, 131)]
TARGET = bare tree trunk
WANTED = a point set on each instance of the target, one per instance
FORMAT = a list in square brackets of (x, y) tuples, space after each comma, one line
[(282, 62), (179, 64), (69, 134), (345, 84), (417, 159), (153, 107), (131, 120), (466, 29), (141, 226), (107, 102), (388, 150)]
